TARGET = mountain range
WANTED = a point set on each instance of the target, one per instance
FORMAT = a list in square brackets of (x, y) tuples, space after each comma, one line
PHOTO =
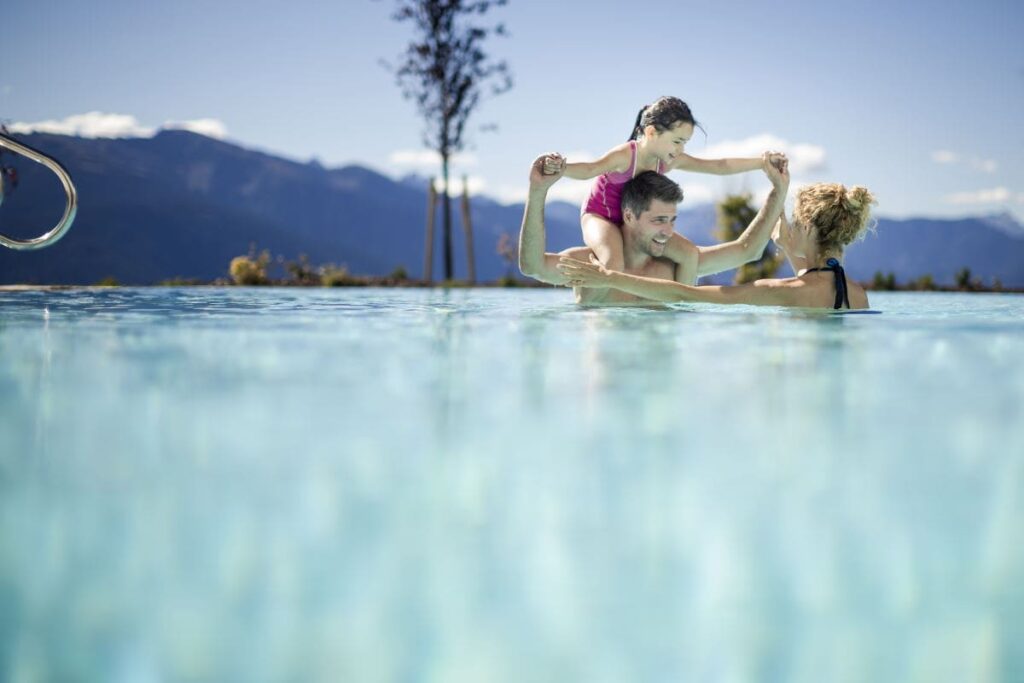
[(182, 205)]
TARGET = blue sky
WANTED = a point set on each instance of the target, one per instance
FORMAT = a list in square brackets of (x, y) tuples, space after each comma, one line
[(921, 102)]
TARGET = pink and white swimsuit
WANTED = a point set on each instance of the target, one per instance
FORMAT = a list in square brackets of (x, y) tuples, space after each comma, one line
[(605, 198)]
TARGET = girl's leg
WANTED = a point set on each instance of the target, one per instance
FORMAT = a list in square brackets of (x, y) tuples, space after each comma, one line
[(686, 255), (605, 239)]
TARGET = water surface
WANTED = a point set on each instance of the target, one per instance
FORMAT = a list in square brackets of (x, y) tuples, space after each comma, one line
[(404, 485)]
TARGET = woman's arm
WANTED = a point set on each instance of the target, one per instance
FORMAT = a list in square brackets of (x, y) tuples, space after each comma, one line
[(781, 235), (617, 159), (761, 293)]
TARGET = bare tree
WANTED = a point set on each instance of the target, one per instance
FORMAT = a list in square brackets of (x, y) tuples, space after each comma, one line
[(447, 73)]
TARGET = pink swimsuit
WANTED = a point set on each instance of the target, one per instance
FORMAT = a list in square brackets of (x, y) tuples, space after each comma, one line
[(605, 198)]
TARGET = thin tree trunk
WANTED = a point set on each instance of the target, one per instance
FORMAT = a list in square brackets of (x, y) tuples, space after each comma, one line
[(467, 228), (428, 250), (447, 221)]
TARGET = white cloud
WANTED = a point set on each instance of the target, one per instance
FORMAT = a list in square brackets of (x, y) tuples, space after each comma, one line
[(944, 156), (578, 155), (476, 185), (93, 124), (97, 124), (989, 196), (572, 191), (803, 157), (510, 194), (984, 165), (428, 158), (695, 193), (211, 128)]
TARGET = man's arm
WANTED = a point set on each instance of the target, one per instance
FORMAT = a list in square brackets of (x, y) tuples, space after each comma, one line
[(686, 256), (534, 259), (751, 243)]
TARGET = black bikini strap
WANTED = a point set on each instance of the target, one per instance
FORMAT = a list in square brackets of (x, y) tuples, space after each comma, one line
[(842, 295)]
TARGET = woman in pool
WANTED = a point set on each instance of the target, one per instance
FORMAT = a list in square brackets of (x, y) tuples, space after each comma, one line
[(826, 218)]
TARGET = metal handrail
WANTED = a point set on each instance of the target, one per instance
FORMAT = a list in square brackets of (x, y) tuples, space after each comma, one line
[(69, 189)]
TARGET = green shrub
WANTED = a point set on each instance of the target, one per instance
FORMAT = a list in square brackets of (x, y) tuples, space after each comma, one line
[(336, 276), (251, 269), (925, 283), (883, 282), (302, 272), (181, 282)]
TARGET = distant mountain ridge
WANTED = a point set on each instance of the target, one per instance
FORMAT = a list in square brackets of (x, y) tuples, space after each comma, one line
[(182, 205)]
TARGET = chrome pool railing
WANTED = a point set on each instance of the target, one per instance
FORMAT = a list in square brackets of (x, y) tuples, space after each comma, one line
[(69, 189)]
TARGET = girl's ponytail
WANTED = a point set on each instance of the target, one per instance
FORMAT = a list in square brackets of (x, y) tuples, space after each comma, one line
[(636, 126), (664, 114)]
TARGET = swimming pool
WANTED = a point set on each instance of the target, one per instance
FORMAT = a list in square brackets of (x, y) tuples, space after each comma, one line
[(467, 485)]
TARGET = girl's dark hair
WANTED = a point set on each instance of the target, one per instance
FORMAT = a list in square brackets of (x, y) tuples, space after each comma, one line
[(663, 114)]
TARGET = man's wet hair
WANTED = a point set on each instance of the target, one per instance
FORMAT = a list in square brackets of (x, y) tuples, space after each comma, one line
[(638, 192)]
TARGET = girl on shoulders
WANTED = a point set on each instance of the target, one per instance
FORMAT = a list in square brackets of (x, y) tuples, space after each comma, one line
[(656, 143)]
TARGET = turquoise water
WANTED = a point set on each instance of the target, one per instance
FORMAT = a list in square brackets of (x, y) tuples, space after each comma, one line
[(493, 485)]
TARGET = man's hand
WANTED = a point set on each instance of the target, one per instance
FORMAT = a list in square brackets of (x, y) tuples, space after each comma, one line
[(541, 178)]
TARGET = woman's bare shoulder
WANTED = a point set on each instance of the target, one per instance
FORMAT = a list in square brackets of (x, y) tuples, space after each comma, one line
[(858, 297)]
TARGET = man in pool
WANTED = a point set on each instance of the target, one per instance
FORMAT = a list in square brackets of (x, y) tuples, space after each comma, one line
[(649, 203)]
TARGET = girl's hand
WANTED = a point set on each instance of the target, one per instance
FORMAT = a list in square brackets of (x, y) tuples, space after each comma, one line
[(779, 160), (583, 274), (553, 164), (541, 179), (776, 167)]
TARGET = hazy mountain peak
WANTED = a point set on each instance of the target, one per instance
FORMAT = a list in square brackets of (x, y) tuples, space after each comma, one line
[(1005, 222)]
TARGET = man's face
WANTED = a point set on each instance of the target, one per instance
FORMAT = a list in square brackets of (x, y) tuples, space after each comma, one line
[(649, 232)]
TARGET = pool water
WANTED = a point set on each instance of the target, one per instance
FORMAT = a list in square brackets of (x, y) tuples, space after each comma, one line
[(494, 485)]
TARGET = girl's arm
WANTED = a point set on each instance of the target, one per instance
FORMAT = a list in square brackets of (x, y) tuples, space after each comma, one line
[(761, 293), (617, 159), (685, 162)]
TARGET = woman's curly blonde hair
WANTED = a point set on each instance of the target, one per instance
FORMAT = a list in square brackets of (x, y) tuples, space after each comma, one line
[(839, 215)]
